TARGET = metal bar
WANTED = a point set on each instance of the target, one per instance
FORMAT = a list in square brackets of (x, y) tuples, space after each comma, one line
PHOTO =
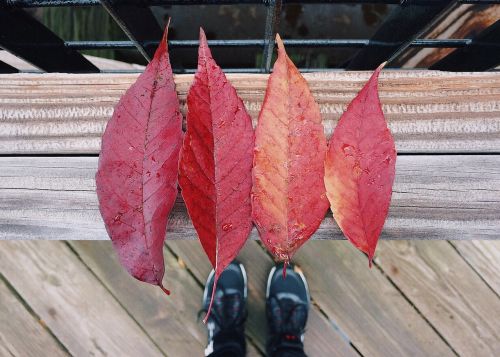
[(478, 56), (272, 21), (137, 22), (56, 3), (353, 43), (7, 68), (403, 25), (16, 26)]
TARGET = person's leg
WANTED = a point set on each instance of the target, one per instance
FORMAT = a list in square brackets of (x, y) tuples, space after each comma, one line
[(287, 307), (225, 325)]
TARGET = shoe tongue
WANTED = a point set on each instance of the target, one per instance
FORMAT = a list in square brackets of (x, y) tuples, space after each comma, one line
[(227, 307), (289, 315)]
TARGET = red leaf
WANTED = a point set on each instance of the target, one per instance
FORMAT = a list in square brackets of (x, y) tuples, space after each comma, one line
[(288, 195), (137, 174), (216, 163), (360, 169)]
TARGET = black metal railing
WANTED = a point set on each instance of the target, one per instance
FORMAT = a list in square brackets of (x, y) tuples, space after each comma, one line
[(28, 39)]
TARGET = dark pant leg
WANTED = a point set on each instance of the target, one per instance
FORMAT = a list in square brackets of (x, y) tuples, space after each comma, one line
[(229, 345)]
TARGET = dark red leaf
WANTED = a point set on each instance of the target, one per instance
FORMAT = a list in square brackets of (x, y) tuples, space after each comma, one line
[(288, 195), (137, 174), (216, 163), (360, 168)]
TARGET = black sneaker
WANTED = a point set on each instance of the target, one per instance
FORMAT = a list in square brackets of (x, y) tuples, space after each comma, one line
[(226, 321), (287, 307)]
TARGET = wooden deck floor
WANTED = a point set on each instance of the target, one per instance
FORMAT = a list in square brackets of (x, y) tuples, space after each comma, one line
[(422, 298)]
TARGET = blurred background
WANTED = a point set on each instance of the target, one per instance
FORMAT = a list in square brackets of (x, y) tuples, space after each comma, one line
[(246, 21)]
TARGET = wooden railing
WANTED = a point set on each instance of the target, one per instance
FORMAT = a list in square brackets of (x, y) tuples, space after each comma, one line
[(446, 127)]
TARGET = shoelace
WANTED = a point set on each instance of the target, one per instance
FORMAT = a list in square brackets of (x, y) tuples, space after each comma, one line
[(226, 311), (288, 317)]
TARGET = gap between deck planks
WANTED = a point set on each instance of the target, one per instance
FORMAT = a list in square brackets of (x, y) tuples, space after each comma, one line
[(54, 198), (427, 111), (170, 321), (71, 301), (16, 324), (447, 292), (425, 300), (370, 309)]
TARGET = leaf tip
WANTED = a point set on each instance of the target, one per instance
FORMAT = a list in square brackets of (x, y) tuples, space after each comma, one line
[(205, 319), (279, 42), (204, 50), (371, 254), (166, 291), (162, 47), (203, 37), (168, 23), (285, 265)]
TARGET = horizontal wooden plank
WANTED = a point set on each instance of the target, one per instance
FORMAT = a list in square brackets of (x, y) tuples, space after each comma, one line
[(435, 197), (427, 111), (444, 288), (72, 302)]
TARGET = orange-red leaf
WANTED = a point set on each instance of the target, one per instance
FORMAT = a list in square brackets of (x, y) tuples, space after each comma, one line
[(216, 163), (136, 179), (360, 168), (288, 195)]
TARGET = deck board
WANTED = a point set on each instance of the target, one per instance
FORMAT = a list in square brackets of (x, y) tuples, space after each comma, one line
[(357, 305), (169, 320), (54, 198), (71, 301), (172, 321), (432, 299), (484, 258), (21, 334), (371, 311), (448, 292), (427, 111)]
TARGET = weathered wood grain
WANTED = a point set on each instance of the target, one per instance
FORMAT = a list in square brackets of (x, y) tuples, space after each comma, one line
[(170, 321), (484, 258), (322, 338), (371, 311), (447, 292), (20, 333), (71, 301), (435, 197), (427, 111)]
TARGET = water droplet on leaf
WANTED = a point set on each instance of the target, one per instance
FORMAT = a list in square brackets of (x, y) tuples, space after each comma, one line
[(227, 226)]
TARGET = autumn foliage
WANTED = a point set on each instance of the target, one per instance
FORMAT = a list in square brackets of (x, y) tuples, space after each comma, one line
[(283, 177), (288, 196), (136, 180), (360, 169), (215, 169)]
